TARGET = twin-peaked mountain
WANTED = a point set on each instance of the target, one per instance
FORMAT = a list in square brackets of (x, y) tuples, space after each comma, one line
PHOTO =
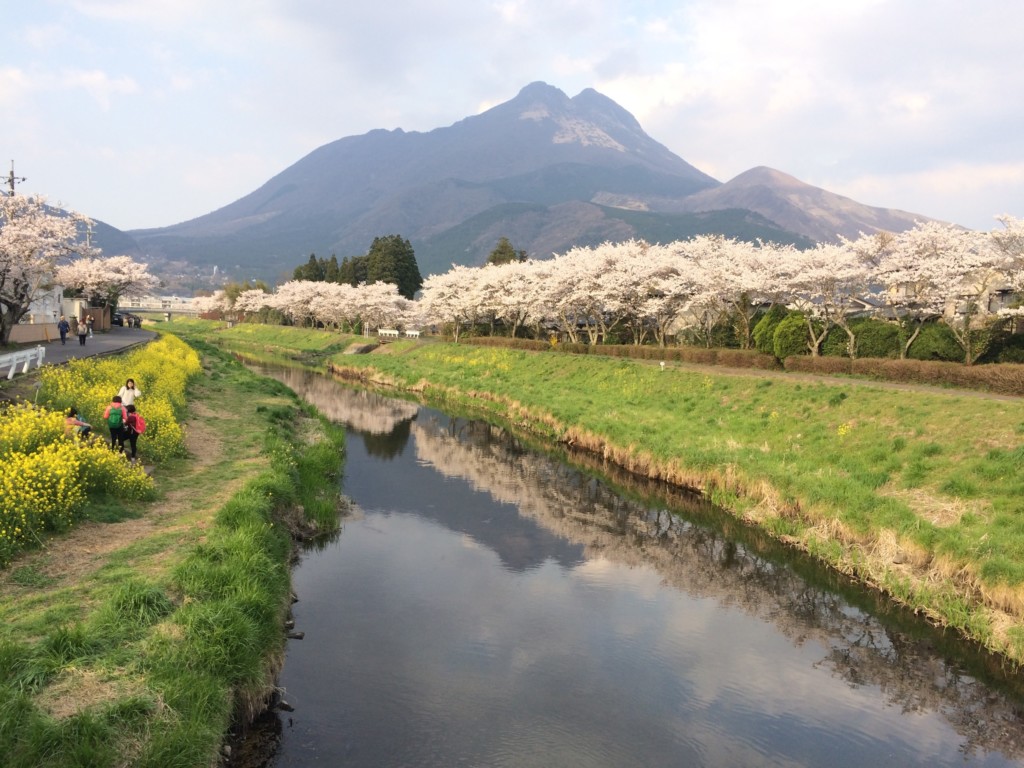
[(547, 171)]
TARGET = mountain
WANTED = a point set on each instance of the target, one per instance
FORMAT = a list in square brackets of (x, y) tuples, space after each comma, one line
[(798, 207), (545, 170)]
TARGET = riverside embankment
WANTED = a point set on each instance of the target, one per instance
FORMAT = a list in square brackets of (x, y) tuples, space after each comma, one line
[(914, 493)]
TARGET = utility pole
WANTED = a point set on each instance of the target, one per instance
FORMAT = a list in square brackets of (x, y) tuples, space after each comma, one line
[(12, 179)]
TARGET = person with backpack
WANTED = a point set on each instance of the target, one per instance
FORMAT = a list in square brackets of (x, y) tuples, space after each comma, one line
[(116, 416), (134, 426)]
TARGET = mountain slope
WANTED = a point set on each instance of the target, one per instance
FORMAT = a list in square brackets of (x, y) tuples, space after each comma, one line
[(543, 169), (799, 207)]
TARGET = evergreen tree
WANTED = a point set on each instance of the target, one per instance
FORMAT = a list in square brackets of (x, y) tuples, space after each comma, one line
[(311, 270), (391, 260), (352, 270), (331, 270), (504, 253)]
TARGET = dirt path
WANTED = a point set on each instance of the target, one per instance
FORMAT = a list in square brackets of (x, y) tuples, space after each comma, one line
[(69, 559)]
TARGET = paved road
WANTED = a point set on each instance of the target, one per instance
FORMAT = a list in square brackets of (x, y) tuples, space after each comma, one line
[(114, 340)]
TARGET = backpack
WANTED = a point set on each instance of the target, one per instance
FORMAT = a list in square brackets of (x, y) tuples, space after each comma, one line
[(136, 423), (115, 418)]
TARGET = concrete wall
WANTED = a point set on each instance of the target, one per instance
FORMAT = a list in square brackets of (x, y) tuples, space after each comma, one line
[(27, 333)]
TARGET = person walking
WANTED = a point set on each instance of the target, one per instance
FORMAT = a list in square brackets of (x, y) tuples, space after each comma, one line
[(129, 392), (134, 426), (82, 331), (116, 416), (88, 324), (64, 327)]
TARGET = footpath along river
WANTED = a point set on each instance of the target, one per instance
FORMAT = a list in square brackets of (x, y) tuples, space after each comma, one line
[(488, 604)]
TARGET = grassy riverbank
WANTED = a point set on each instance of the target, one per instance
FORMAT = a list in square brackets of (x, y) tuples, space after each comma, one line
[(914, 491), (137, 636), (917, 493)]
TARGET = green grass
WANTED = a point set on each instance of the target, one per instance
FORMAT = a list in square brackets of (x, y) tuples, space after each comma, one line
[(869, 457)]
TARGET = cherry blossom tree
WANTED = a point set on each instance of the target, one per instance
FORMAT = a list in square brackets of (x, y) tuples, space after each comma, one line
[(251, 300), (452, 298), (509, 289), (708, 303), (293, 300), (827, 280), (671, 286), (747, 276), (215, 302), (32, 240), (103, 281), (946, 272), (582, 292), (335, 305), (381, 305), (625, 284), (1010, 242)]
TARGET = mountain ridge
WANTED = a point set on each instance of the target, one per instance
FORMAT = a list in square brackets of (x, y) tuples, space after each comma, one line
[(546, 170)]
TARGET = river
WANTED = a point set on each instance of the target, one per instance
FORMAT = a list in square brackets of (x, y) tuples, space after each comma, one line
[(488, 604)]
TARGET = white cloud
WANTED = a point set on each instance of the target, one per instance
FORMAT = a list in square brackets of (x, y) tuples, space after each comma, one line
[(881, 90)]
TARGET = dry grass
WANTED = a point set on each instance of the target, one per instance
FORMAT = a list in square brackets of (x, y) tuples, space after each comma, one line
[(942, 511)]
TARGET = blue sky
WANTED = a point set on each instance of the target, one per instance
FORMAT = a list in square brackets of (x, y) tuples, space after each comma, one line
[(144, 113)]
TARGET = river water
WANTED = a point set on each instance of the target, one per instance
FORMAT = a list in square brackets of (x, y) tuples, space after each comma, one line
[(486, 604)]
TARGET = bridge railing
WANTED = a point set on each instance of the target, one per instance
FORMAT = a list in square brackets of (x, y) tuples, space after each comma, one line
[(24, 358)]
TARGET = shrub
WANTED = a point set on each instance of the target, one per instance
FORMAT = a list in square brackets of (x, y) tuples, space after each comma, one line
[(877, 338), (936, 342), (791, 336), (764, 329), (1011, 350), (874, 338), (836, 343), (825, 366), (746, 358)]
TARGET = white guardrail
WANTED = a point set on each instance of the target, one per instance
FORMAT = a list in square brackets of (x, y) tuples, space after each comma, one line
[(24, 358)]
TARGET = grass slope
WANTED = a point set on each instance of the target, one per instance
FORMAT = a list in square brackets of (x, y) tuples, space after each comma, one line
[(137, 637), (917, 493)]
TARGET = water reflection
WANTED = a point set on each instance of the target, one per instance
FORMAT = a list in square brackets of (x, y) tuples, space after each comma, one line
[(616, 631), (698, 560), (382, 422)]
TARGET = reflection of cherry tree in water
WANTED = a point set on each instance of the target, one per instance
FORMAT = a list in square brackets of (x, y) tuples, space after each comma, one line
[(746, 571), (363, 411)]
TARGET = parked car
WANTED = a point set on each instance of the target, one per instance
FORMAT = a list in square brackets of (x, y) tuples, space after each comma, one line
[(117, 319)]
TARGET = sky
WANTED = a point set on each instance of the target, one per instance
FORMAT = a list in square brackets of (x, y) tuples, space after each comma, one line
[(146, 113)]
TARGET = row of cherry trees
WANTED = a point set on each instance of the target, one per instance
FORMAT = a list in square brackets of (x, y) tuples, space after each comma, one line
[(933, 271), (309, 302), (649, 292), (42, 246)]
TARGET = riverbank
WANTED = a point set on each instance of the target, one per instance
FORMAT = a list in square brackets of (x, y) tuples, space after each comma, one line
[(139, 636), (914, 493)]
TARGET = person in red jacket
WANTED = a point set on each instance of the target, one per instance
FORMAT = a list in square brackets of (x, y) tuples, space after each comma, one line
[(131, 433), (116, 417)]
